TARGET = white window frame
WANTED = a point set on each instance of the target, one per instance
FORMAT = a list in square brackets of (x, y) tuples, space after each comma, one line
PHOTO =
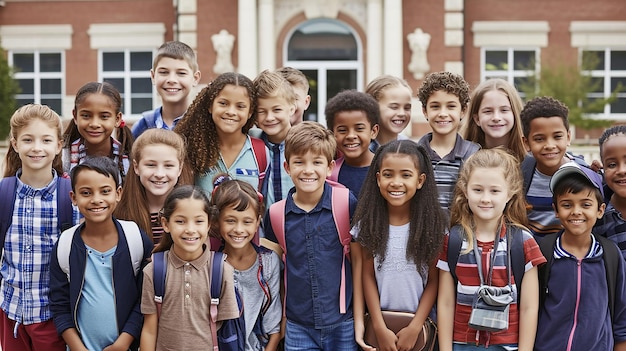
[(511, 72), (127, 75), (37, 76), (607, 74)]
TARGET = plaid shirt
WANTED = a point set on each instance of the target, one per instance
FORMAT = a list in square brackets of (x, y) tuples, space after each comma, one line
[(78, 152), (26, 261)]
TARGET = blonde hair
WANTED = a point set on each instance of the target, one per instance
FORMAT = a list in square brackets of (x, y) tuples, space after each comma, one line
[(20, 119), (515, 210), (270, 84), (295, 77), (473, 132), (311, 137), (376, 88)]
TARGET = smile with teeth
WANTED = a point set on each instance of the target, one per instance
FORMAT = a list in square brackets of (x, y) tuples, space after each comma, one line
[(308, 180), (576, 221), (397, 193), (238, 238), (159, 182), (98, 209), (191, 240), (172, 90), (397, 121), (350, 146)]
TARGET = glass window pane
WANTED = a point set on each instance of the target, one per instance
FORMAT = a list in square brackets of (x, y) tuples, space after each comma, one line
[(618, 60), (140, 61), (594, 104), (22, 102), (311, 113), (140, 105), (50, 62), (524, 60), (593, 60), (54, 104), (338, 80), (118, 83), (112, 61), (27, 86), (496, 61), (24, 62), (322, 40), (619, 106), (615, 82), (596, 85), (141, 85), (521, 82), (51, 86)]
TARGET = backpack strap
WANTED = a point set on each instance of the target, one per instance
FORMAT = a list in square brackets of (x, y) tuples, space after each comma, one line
[(258, 149), (610, 255), (334, 175), (340, 202), (159, 265), (150, 117), (546, 245), (528, 170), (455, 240), (64, 204), (8, 192), (135, 243), (64, 246), (216, 291), (277, 219)]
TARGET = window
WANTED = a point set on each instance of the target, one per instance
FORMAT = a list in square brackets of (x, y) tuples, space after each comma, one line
[(608, 69), (129, 72), (40, 76), (510, 64)]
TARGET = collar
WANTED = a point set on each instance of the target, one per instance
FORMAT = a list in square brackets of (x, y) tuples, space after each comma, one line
[(198, 263), (594, 251), (459, 151), (46, 193), (324, 203), (79, 146)]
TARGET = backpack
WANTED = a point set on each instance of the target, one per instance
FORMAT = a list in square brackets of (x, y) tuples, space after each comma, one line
[(610, 257), (8, 192), (133, 239), (260, 157), (232, 335), (340, 202), (518, 262), (334, 175)]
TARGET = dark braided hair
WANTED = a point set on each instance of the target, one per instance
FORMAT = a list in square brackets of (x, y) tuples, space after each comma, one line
[(197, 126), (428, 221)]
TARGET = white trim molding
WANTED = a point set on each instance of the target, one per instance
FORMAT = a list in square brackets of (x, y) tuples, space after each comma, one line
[(126, 35), (36, 37), (510, 33), (597, 33)]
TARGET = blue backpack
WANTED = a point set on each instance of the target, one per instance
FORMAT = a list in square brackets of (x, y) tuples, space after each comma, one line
[(231, 336)]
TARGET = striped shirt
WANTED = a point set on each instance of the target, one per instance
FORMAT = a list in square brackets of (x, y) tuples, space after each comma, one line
[(78, 152), (157, 228), (27, 250), (613, 227), (469, 281), (541, 218)]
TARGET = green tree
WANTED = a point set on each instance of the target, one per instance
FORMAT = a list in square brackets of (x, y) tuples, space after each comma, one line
[(8, 89), (572, 85)]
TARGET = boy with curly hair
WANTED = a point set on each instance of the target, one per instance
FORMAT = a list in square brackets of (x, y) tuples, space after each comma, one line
[(444, 98)]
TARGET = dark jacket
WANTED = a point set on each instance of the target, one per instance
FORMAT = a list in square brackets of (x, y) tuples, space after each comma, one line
[(65, 295)]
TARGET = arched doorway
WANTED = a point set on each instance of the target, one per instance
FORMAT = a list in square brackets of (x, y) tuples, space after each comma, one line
[(328, 52)]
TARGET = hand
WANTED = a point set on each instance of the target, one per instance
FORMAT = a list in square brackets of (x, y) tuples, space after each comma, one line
[(116, 346), (359, 331), (407, 337), (387, 340), (596, 166)]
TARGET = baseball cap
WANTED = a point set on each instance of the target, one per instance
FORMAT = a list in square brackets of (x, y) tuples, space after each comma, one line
[(571, 168)]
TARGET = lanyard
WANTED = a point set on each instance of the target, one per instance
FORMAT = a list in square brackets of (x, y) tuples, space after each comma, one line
[(494, 251)]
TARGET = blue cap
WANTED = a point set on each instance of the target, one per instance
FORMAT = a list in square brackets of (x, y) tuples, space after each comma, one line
[(571, 168)]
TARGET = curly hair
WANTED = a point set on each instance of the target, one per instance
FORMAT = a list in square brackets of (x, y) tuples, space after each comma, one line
[(474, 133), (20, 119), (515, 210), (352, 100), (428, 221), (543, 106), (444, 81), (237, 194), (198, 128), (615, 130)]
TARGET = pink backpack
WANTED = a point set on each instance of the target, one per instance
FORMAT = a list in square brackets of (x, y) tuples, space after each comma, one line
[(340, 202)]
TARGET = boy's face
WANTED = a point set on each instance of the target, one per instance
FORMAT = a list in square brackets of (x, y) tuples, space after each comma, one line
[(614, 161), (579, 212), (309, 172), (95, 195), (302, 103), (354, 133), (273, 115), (548, 140), (443, 111), (174, 80)]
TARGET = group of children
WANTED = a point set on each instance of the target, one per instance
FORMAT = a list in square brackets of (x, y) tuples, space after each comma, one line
[(351, 208)]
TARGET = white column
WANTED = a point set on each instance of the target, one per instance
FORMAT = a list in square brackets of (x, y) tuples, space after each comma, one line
[(267, 50), (393, 38), (374, 40), (247, 38)]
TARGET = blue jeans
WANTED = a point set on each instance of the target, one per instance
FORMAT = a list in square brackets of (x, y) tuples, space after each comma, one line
[(337, 338), (472, 347)]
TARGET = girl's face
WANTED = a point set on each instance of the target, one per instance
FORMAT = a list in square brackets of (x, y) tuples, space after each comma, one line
[(487, 194), (96, 117), (398, 180), (231, 109), (395, 109), (614, 161), (495, 117), (158, 169), (37, 144), (238, 228), (189, 228)]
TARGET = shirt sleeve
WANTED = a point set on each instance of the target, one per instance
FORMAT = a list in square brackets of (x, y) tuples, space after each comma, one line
[(532, 252), (442, 263), (619, 308), (148, 306)]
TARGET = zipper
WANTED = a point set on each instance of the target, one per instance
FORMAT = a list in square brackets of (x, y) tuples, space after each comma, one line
[(80, 291), (577, 305)]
